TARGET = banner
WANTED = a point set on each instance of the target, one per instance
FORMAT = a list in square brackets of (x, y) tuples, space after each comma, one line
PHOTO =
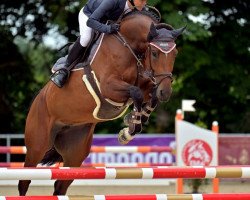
[(139, 140), (195, 146), (234, 150)]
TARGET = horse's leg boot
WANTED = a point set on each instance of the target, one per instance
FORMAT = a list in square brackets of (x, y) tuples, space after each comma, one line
[(146, 111), (62, 75), (135, 125), (149, 107)]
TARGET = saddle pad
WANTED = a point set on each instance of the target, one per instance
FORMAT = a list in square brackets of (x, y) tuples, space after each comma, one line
[(106, 109)]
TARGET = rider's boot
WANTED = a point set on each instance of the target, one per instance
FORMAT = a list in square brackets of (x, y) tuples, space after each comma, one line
[(62, 75)]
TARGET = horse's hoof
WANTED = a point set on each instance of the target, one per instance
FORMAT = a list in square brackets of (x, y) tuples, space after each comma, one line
[(124, 137)]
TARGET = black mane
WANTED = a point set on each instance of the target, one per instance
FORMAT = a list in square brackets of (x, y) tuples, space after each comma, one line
[(150, 15), (143, 12), (163, 25)]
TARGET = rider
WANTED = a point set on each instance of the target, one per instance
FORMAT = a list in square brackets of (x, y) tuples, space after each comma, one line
[(94, 15)]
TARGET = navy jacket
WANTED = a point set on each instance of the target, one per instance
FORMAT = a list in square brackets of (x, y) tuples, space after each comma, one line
[(100, 11)]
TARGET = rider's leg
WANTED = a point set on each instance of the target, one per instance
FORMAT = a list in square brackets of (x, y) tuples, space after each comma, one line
[(61, 76)]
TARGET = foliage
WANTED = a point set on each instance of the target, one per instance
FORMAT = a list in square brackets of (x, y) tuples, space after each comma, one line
[(39, 57), (23, 67), (212, 66), (33, 19), (15, 79)]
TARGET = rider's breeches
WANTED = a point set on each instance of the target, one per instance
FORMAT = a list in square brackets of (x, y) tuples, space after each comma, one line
[(85, 31)]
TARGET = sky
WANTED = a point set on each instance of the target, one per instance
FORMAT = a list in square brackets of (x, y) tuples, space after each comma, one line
[(54, 39)]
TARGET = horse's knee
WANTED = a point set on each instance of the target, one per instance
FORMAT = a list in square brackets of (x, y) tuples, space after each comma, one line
[(137, 96), (136, 92)]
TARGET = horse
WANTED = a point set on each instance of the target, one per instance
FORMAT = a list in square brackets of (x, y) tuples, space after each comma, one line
[(133, 66)]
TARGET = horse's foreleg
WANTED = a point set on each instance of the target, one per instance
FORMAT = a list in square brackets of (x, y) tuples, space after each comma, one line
[(149, 107), (120, 91), (134, 123), (137, 97)]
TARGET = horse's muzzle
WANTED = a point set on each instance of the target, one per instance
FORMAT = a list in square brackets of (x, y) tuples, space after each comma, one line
[(163, 94)]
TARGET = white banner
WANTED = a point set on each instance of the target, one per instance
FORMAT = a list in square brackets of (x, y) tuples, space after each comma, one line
[(195, 146)]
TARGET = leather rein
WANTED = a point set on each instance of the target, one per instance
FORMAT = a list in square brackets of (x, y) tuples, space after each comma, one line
[(141, 69)]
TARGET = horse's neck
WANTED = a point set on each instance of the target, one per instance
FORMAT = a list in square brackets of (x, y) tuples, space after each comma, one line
[(135, 30), (114, 58), (111, 55)]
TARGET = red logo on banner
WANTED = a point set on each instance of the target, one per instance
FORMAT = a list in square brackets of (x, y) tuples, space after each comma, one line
[(197, 153)]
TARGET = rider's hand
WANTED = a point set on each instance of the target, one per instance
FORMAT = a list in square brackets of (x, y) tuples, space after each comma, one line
[(114, 28)]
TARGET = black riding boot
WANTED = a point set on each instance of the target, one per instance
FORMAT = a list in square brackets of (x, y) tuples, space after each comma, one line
[(62, 75)]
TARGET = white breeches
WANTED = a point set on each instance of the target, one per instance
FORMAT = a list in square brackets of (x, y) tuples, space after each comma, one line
[(85, 31)]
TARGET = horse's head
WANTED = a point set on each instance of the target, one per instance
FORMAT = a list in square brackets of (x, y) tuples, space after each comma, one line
[(156, 43), (162, 56)]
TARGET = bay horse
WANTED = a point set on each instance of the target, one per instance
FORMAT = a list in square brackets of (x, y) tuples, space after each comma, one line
[(133, 66)]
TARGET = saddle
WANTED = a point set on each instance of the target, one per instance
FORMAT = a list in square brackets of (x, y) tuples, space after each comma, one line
[(85, 59)]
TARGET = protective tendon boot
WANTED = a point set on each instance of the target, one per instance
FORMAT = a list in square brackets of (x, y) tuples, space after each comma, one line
[(62, 75)]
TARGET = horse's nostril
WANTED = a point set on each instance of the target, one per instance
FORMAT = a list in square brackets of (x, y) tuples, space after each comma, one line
[(161, 92), (164, 95)]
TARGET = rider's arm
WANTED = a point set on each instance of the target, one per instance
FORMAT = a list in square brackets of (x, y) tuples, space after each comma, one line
[(95, 17)]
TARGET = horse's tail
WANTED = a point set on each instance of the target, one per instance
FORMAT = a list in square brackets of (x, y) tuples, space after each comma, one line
[(51, 157)]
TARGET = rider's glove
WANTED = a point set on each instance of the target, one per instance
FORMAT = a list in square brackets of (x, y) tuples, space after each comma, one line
[(114, 28)]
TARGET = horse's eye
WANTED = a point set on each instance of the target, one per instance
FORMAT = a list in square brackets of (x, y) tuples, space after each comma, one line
[(154, 54)]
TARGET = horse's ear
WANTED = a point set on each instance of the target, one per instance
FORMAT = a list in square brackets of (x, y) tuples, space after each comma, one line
[(152, 33), (176, 32)]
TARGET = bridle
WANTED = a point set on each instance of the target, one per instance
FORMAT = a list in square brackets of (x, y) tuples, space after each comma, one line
[(142, 71), (166, 75)]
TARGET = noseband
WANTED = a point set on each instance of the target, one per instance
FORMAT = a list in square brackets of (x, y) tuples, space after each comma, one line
[(141, 69)]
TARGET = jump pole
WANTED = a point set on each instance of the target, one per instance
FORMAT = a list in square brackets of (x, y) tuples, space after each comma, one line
[(244, 196), (66, 173)]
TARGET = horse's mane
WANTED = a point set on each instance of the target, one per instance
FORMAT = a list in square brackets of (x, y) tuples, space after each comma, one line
[(143, 13), (163, 25), (150, 15)]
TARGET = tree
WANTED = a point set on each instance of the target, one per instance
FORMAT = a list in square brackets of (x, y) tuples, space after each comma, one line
[(212, 64), (15, 79), (33, 19)]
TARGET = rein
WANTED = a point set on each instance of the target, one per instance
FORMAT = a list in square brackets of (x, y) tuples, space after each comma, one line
[(140, 67)]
